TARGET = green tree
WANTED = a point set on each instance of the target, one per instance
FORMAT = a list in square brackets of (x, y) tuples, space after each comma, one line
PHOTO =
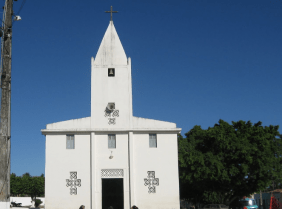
[(37, 186), (228, 161), (15, 184), (26, 184)]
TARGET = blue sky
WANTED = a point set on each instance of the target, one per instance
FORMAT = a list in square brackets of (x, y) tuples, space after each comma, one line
[(193, 62)]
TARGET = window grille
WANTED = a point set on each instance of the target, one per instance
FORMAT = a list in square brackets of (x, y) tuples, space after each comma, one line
[(70, 141), (109, 173), (152, 140), (111, 141)]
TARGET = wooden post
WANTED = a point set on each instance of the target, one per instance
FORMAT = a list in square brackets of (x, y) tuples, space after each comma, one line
[(260, 200), (5, 126)]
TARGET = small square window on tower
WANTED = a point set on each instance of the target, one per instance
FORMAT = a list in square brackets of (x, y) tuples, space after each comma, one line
[(111, 72)]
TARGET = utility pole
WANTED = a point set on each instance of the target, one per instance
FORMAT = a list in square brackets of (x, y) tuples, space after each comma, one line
[(5, 125), (260, 199)]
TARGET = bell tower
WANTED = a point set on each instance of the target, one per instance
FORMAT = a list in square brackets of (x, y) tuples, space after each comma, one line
[(111, 88)]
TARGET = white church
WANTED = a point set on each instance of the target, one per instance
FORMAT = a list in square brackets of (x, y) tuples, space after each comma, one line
[(111, 158)]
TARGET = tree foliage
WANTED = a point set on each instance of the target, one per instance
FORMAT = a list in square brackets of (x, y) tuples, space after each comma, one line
[(26, 184), (15, 184), (228, 160)]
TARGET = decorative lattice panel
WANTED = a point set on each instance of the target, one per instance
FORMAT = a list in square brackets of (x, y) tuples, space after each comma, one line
[(108, 173), (151, 182), (115, 113), (73, 182), (112, 121), (111, 115)]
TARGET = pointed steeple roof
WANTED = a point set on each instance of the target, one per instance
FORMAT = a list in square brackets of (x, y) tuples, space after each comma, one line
[(111, 51)]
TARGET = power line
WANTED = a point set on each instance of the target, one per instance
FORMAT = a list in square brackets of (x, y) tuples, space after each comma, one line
[(21, 7)]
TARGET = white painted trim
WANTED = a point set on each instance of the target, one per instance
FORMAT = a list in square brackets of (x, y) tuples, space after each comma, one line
[(131, 166), (108, 66), (50, 131), (93, 171)]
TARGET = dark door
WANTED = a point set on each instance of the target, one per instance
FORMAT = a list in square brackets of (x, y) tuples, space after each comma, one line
[(112, 193)]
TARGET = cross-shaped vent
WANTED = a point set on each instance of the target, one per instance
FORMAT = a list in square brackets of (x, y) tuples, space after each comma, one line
[(73, 182), (151, 182)]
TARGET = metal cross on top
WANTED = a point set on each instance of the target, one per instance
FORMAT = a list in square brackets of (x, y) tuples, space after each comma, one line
[(111, 12)]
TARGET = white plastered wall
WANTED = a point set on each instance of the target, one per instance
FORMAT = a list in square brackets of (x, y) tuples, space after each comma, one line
[(5, 205), (164, 161), (59, 163), (101, 160), (106, 90)]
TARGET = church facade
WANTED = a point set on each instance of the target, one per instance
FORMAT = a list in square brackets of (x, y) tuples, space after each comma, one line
[(111, 158)]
